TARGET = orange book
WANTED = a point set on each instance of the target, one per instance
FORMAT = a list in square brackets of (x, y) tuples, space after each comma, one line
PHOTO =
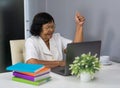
[(39, 72)]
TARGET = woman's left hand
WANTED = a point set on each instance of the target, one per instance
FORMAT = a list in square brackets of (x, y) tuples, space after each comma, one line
[(79, 19)]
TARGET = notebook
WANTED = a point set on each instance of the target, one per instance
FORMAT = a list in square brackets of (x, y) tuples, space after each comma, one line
[(76, 49)]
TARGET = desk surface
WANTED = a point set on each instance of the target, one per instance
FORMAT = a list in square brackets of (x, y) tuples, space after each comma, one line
[(107, 77)]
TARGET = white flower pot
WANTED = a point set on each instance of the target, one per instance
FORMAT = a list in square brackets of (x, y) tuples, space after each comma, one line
[(85, 77)]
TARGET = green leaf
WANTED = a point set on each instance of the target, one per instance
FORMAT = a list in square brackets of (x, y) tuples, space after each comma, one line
[(85, 63)]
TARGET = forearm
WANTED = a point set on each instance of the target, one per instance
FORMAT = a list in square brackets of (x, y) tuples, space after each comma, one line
[(79, 28), (78, 34), (46, 63)]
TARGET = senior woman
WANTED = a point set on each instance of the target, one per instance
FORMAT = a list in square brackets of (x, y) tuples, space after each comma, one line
[(45, 46)]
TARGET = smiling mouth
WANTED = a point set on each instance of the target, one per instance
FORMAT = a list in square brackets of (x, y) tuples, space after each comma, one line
[(49, 35)]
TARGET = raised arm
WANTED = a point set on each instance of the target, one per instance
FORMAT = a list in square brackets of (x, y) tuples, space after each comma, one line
[(79, 28)]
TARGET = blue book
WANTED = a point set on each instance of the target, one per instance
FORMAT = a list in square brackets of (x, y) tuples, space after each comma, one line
[(24, 67)]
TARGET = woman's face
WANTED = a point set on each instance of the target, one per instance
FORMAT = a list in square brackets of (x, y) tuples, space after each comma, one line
[(47, 31)]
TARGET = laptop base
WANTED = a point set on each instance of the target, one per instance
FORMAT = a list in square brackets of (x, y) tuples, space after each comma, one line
[(60, 70)]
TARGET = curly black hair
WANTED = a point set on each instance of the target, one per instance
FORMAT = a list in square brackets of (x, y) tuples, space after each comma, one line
[(39, 20)]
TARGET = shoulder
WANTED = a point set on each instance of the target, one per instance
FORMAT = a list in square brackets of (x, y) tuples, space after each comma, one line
[(56, 35), (32, 39)]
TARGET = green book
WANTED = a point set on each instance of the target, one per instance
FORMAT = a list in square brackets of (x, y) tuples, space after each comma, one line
[(39, 82)]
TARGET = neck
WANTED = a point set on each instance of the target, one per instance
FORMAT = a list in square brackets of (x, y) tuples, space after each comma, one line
[(46, 42)]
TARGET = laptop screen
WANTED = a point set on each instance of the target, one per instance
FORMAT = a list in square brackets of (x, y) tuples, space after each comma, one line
[(76, 49)]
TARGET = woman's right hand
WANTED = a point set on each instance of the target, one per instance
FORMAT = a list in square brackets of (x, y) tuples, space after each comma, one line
[(57, 63), (61, 63)]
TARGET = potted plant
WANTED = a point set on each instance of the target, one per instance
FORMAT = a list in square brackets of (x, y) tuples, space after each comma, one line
[(85, 66)]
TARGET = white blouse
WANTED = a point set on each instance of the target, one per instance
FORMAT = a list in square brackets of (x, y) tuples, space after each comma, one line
[(36, 48)]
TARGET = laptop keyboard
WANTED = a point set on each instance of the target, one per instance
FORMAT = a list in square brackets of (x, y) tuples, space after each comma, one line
[(58, 69), (63, 70)]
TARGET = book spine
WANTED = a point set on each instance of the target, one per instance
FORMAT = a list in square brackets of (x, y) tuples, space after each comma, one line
[(34, 74), (36, 83), (42, 77), (16, 74), (31, 78), (42, 74)]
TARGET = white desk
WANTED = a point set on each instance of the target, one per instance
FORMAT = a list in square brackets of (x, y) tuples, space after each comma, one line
[(107, 77)]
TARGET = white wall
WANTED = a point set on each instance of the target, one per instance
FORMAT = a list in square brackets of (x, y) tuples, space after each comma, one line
[(102, 21), (31, 8)]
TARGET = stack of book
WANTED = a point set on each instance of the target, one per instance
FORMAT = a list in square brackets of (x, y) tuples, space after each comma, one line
[(34, 74)]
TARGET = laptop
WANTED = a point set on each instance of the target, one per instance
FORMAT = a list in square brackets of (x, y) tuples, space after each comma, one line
[(76, 49)]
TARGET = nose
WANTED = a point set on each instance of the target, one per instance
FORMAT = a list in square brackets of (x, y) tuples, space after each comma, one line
[(51, 30)]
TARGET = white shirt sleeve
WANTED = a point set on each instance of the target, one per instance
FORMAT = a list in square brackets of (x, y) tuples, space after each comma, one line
[(36, 48), (65, 41), (31, 51)]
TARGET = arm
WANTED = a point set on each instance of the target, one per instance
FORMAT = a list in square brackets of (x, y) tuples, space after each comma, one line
[(79, 28), (50, 64), (32, 52)]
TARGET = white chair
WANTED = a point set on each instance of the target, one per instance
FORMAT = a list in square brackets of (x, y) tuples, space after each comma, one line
[(17, 48)]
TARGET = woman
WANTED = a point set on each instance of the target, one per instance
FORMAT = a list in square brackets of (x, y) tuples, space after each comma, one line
[(45, 46)]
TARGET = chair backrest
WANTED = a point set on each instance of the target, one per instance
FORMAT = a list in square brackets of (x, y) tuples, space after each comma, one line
[(17, 48)]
